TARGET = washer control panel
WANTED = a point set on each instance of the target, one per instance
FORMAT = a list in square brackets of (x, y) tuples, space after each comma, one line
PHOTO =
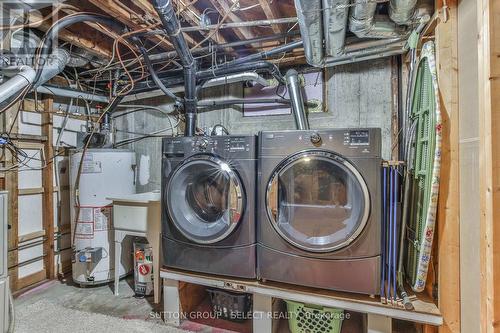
[(229, 146)]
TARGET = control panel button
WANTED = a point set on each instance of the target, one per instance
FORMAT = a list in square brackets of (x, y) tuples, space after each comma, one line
[(315, 139)]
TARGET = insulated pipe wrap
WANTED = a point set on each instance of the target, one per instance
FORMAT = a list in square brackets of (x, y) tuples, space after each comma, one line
[(363, 24), (402, 11), (311, 28), (335, 15)]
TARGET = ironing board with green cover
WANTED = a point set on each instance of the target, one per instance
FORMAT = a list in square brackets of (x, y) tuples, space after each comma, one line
[(427, 163)]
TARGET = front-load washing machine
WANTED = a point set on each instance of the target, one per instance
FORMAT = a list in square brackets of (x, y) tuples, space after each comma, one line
[(319, 208), (208, 204)]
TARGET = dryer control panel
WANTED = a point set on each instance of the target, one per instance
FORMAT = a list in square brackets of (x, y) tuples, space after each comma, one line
[(241, 147), (356, 142)]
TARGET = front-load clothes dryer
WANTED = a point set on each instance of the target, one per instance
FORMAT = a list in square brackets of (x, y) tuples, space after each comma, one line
[(319, 208), (208, 204)]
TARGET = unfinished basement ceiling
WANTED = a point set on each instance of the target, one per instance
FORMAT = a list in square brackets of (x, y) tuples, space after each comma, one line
[(343, 24)]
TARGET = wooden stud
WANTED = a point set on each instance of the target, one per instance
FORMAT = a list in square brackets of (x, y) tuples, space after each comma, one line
[(272, 12), (489, 161), (148, 8), (31, 279), (448, 227), (223, 8), (89, 44), (10, 120), (171, 302), (48, 195), (190, 16), (31, 236), (125, 16)]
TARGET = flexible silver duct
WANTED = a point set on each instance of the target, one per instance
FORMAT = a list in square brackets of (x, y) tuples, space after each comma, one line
[(53, 65), (402, 11), (335, 15), (363, 24), (238, 77), (24, 75), (295, 92), (311, 28), (17, 82)]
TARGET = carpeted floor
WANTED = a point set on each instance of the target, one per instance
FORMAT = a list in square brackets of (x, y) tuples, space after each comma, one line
[(45, 316)]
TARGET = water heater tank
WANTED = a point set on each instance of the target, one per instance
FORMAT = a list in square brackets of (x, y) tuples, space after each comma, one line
[(104, 173)]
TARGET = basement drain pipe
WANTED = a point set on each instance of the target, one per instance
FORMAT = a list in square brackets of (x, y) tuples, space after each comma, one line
[(293, 85), (172, 27)]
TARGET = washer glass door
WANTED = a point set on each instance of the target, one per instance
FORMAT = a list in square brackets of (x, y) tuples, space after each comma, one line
[(317, 201), (205, 199)]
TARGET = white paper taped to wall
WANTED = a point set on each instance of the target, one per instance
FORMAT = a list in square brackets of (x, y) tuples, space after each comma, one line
[(144, 172)]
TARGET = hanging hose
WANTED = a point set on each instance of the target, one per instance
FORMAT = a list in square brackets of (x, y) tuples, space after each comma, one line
[(66, 21), (384, 241), (152, 71)]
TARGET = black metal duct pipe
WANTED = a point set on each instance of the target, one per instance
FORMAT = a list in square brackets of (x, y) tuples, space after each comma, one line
[(174, 80), (206, 104), (172, 27), (217, 47), (294, 90), (265, 54)]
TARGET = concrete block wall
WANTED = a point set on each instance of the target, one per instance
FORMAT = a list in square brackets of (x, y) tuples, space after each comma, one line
[(358, 95)]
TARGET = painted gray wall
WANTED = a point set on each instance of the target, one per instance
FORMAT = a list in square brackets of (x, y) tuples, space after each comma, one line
[(358, 95)]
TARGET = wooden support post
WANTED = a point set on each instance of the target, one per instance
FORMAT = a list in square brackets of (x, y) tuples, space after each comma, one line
[(489, 161), (11, 185), (48, 194), (379, 324), (171, 302), (262, 310), (448, 221)]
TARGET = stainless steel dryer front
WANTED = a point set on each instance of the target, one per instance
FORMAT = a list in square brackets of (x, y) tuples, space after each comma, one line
[(208, 204), (319, 208)]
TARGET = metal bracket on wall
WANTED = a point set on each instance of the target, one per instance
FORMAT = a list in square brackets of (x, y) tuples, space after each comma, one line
[(234, 286)]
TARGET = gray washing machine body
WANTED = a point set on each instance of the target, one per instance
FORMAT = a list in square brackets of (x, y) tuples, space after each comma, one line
[(208, 204), (319, 208)]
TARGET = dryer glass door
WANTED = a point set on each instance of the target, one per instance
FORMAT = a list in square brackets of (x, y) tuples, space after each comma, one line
[(205, 199), (317, 201)]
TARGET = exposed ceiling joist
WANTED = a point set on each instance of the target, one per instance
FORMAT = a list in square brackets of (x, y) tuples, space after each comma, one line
[(272, 12), (93, 45), (223, 8), (191, 15), (127, 17), (148, 8)]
